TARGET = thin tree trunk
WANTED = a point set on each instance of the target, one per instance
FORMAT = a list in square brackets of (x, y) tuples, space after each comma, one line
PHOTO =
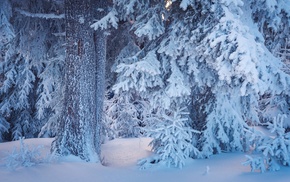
[(100, 40)]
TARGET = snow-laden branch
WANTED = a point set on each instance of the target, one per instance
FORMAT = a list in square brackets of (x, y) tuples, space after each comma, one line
[(61, 34), (109, 20), (41, 15)]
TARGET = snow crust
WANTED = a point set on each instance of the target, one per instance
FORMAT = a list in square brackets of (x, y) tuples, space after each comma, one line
[(122, 154)]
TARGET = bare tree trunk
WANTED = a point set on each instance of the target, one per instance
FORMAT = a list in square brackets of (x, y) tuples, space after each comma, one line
[(100, 40)]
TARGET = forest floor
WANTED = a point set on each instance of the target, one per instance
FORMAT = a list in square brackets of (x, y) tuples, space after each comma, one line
[(120, 157)]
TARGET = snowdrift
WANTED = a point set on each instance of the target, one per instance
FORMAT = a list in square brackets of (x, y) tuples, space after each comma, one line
[(120, 157)]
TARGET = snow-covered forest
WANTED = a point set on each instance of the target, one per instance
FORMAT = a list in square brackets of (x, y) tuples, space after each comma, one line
[(198, 77)]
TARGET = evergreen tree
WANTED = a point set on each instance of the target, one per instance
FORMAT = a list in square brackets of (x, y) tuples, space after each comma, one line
[(173, 139), (274, 25), (273, 150), (32, 67), (6, 36), (203, 53)]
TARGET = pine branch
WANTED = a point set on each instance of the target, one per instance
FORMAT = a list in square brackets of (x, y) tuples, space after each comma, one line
[(61, 34)]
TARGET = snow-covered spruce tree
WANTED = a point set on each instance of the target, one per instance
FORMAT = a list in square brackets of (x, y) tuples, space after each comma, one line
[(125, 112), (122, 111), (15, 105), (284, 54), (273, 105), (50, 91), (272, 149), (17, 85), (46, 52), (160, 83), (169, 128), (6, 36), (125, 116), (138, 77), (235, 85), (241, 74), (79, 128), (32, 68), (172, 139), (6, 30), (272, 20), (213, 49)]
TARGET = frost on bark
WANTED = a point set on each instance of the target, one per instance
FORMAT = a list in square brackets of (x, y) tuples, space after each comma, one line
[(100, 40), (79, 130)]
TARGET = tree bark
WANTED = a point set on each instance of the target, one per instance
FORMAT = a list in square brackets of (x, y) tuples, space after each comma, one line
[(100, 40), (79, 129)]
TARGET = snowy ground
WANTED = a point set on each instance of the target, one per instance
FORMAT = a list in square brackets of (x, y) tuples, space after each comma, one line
[(120, 157)]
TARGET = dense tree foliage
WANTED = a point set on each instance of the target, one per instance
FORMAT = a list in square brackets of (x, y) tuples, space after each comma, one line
[(213, 57), (225, 63), (31, 67)]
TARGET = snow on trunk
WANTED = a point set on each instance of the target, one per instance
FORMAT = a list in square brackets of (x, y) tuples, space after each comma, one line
[(79, 134)]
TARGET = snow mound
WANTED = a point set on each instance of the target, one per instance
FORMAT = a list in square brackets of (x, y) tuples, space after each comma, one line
[(125, 152)]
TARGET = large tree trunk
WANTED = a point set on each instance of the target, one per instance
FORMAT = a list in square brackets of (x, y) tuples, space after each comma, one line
[(79, 129)]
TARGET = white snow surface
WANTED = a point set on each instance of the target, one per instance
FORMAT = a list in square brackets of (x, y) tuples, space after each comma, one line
[(121, 156), (125, 152)]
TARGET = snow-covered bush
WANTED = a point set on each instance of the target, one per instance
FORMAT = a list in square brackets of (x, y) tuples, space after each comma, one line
[(172, 140), (274, 148), (256, 163), (25, 156), (125, 116)]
